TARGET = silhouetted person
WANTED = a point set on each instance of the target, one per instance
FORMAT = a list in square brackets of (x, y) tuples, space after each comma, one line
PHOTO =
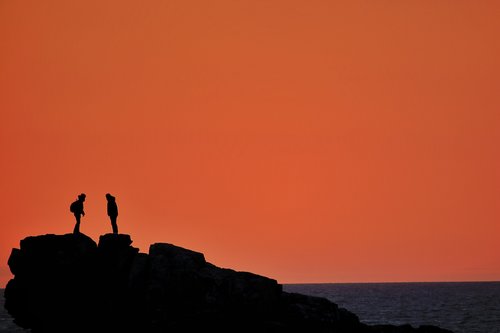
[(112, 211), (77, 209)]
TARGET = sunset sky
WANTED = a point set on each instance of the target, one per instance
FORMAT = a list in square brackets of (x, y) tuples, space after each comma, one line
[(307, 141)]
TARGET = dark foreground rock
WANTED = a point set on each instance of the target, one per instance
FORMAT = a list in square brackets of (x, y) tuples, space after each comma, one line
[(68, 283)]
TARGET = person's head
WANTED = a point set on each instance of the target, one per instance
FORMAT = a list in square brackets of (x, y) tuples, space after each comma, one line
[(109, 197), (81, 197)]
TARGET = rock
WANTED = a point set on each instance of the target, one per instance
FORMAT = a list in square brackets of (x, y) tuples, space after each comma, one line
[(432, 329), (67, 283), (53, 275), (171, 257)]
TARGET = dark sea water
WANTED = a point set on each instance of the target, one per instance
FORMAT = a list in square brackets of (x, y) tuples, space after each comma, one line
[(463, 307), (469, 307)]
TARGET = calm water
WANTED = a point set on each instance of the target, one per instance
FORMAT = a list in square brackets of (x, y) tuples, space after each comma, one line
[(472, 307), (469, 307)]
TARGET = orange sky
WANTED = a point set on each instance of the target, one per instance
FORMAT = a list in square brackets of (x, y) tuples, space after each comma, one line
[(308, 141)]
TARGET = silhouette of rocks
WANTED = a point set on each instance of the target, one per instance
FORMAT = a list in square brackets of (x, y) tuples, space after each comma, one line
[(54, 281), (67, 283)]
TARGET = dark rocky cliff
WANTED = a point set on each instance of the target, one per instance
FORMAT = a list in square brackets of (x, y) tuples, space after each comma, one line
[(68, 283)]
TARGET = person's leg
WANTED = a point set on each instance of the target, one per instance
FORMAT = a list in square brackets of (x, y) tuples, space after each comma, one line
[(114, 225), (77, 225)]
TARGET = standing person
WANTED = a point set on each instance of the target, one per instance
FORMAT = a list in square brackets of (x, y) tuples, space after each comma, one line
[(112, 211), (77, 209)]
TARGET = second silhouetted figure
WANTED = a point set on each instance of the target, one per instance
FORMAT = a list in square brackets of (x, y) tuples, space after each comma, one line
[(112, 211)]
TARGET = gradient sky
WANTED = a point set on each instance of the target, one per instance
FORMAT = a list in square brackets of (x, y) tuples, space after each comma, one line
[(308, 141)]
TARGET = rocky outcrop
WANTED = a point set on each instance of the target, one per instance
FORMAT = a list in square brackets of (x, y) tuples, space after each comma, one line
[(68, 283)]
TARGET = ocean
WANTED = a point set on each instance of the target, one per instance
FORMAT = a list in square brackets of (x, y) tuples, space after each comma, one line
[(463, 307)]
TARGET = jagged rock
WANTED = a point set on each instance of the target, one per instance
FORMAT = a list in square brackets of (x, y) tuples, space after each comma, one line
[(67, 283), (52, 273)]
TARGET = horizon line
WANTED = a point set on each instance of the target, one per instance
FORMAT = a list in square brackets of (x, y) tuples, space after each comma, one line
[(385, 282), (393, 282)]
